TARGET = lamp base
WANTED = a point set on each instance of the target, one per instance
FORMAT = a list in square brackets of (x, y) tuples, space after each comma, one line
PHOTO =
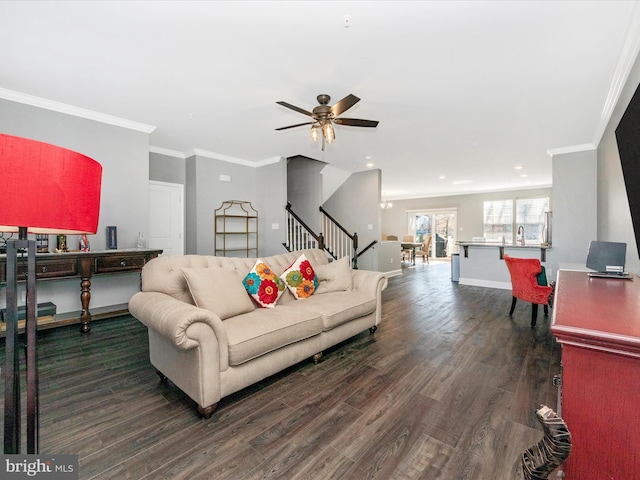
[(12, 404)]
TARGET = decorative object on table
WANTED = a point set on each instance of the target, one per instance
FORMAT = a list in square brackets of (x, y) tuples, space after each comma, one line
[(37, 174), (539, 461), (84, 243), (61, 244), (142, 243), (42, 243), (112, 237)]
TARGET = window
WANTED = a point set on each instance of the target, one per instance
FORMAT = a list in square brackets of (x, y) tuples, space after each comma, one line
[(440, 224), (530, 213), (498, 220)]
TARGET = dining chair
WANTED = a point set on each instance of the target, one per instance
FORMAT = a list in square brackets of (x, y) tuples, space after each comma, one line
[(407, 253), (526, 284), (424, 253)]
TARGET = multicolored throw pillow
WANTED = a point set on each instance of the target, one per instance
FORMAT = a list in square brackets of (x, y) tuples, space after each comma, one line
[(300, 278), (264, 286)]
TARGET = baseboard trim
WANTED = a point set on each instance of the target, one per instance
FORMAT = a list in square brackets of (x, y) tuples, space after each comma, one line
[(476, 282)]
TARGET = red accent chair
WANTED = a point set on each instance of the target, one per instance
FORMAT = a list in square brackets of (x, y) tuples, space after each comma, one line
[(525, 284)]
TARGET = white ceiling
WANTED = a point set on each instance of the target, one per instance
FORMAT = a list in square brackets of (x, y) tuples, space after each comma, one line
[(464, 91)]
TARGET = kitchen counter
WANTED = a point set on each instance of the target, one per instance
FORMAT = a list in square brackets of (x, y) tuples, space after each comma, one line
[(501, 248)]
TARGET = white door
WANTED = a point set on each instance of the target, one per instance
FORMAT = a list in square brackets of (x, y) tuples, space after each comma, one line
[(166, 217)]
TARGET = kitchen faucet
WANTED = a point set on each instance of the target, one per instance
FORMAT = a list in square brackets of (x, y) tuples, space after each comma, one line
[(520, 234)]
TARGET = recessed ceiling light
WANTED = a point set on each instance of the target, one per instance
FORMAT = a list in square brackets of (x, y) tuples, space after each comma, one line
[(524, 175), (369, 165), (442, 177), (518, 167), (368, 157)]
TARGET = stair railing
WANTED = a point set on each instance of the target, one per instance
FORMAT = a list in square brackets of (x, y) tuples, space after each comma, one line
[(338, 241), (334, 238), (299, 234)]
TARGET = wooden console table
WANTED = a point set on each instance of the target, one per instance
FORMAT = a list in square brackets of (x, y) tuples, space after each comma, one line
[(597, 322), (83, 265)]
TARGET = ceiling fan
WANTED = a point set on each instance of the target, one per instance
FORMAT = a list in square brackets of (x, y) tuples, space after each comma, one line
[(325, 115)]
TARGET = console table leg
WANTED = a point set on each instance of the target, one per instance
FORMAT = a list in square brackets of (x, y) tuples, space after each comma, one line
[(85, 298)]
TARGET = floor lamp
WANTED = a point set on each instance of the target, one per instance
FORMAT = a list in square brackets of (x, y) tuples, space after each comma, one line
[(48, 190)]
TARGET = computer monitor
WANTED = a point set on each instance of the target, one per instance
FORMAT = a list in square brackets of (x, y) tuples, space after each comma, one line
[(607, 257)]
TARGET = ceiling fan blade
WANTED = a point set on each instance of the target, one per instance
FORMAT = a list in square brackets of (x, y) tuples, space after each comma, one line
[(345, 104), (297, 109), (297, 125), (356, 122)]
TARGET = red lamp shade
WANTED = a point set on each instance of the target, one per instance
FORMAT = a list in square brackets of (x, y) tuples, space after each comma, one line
[(48, 189)]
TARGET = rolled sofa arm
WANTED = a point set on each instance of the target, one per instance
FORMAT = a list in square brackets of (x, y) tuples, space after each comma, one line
[(368, 281), (172, 318), (371, 283)]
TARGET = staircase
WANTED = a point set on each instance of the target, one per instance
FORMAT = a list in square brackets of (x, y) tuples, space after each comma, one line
[(334, 238)]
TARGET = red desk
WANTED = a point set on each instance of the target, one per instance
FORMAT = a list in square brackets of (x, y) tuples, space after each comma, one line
[(597, 321)]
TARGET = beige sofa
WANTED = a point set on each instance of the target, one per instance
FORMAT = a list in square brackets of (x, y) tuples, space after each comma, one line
[(226, 344)]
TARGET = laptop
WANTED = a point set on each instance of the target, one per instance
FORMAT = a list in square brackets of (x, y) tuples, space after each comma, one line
[(607, 259)]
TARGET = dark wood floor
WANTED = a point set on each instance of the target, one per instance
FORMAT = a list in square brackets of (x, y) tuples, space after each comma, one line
[(445, 389)]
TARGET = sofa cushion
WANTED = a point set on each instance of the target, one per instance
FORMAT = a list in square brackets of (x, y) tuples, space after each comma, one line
[(340, 307), (219, 290), (300, 278), (334, 277), (264, 286), (264, 330)]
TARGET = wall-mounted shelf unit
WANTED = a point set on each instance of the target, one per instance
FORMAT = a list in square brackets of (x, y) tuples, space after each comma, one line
[(236, 229)]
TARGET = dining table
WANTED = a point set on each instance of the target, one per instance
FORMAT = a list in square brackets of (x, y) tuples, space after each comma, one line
[(411, 246)]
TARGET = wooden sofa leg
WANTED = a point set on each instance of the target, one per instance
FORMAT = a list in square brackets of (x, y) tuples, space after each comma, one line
[(317, 357), (206, 412), (373, 329), (163, 378)]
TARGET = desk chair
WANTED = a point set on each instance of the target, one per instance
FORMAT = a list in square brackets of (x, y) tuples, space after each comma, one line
[(424, 253), (528, 283)]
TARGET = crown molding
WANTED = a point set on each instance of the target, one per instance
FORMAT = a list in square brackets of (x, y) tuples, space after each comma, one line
[(572, 149), (167, 152), (34, 101), (227, 158), (627, 59)]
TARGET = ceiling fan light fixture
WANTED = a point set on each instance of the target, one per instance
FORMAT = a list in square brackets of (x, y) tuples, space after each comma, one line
[(327, 131), (314, 132)]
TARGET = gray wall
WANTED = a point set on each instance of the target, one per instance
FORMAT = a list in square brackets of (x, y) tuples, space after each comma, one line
[(166, 168), (614, 217), (124, 156), (271, 202), (263, 186), (470, 210), (304, 189), (356, 206), (574, 208)]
